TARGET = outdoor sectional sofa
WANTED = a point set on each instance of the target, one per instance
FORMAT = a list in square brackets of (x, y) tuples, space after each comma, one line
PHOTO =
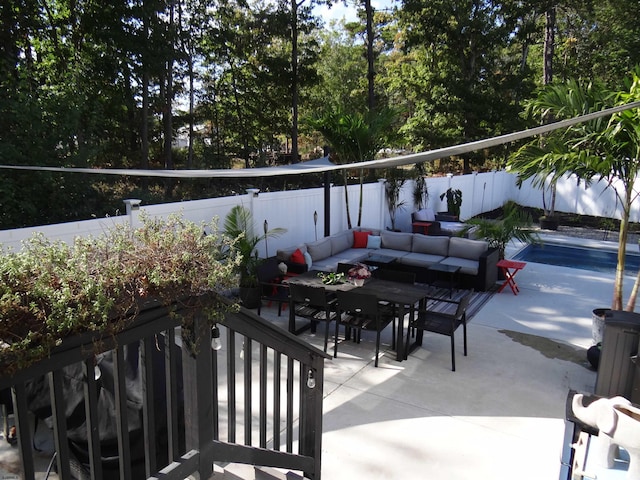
[(413, 252)]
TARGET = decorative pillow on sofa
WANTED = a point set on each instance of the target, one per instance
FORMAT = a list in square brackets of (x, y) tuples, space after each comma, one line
[(397, 240), (284, 254), (297, 257), (308, 260), (374, 241), (360, 239), (465, 248), (424, 215), (320, 249)]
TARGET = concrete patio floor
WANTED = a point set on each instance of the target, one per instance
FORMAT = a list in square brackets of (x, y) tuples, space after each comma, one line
[(499, 416)]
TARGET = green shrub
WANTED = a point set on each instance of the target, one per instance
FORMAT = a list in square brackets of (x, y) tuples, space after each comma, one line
[(50, 290)]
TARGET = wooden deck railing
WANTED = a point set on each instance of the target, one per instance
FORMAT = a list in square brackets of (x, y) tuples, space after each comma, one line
[(178, 407)]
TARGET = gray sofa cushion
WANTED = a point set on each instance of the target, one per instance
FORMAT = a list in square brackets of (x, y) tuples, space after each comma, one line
[(435, 245), (329, 264), (341, 241), (397, 240), (468, 267), (320, 249), (465, 248), (284, 254), (420, 259)]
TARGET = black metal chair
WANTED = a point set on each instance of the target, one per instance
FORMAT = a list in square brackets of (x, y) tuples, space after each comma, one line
[(313, 304), (394, 276), (443, 324), (271, 287), (357, 312)]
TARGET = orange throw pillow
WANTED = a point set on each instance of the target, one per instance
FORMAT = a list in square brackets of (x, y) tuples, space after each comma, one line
[(360, 239), (297, 257)]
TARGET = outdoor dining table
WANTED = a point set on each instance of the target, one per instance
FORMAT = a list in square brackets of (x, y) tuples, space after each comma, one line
[(400, 294)]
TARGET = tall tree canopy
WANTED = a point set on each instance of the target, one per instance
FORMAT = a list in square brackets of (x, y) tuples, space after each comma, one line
[(127, 83)]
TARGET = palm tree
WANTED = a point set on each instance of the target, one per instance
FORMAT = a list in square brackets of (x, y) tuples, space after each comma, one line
[(354, 137), (239, 227), (598, 150), (513, 224)]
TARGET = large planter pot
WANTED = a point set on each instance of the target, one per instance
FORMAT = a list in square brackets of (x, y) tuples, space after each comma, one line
[(597, 324), (250, 296), (549, 223), (448, 217)]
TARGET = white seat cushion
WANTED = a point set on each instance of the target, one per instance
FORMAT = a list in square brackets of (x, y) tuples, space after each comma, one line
[(424, 215)]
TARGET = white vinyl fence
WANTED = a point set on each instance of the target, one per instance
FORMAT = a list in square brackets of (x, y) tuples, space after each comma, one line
[(294, 210)]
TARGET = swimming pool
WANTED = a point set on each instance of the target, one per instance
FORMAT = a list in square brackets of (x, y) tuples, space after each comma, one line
[(577, 257)]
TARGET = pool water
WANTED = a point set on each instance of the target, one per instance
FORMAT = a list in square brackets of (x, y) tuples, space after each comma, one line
[(577, 257)]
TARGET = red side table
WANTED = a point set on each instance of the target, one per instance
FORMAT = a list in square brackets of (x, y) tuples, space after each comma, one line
[(421, 227), (510, 268)]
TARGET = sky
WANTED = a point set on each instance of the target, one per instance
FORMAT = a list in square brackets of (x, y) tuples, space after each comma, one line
[(339, 11)]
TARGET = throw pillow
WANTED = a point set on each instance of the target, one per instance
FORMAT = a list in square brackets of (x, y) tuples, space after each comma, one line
[(360, 239), (308, 260), (373, 241), (297, 257)]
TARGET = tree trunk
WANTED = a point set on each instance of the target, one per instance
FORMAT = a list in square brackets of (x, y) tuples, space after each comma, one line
[(360, 202), (346, 197), (622, 251), (623, 235), (144, 121), (549, 45), (370, 59), (294, 81), (167, 114), (191, 109)]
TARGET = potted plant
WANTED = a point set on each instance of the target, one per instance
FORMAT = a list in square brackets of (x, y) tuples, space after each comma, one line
[(454, 202), (239, 226), (51, 292), (514, 224), (420, 189), (392, 188), (536, 161)]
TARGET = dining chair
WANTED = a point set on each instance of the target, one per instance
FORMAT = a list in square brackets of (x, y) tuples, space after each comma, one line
[(271, 287), (313, 304), (444, 324), (394, 276), (358, 312)]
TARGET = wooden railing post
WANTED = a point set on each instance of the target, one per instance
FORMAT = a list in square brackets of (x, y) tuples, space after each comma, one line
[(198, 394), (311, 413)]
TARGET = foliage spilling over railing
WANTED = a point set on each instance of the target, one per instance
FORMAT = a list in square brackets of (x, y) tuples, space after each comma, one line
[(50, 290), (154, 403)]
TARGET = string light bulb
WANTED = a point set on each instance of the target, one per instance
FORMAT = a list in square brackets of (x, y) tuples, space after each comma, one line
[(216, 344), (311, 379)]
